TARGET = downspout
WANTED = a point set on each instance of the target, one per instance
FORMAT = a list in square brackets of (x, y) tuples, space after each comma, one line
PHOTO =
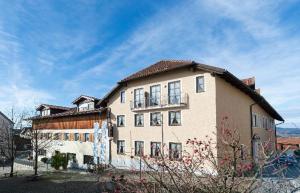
[(110, 132), (276, 134), (251, 128)]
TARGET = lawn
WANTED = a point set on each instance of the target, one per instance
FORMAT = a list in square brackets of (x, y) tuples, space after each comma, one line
[(54, 182)]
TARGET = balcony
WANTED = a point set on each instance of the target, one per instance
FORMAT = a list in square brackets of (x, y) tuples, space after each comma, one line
[(180, 100)]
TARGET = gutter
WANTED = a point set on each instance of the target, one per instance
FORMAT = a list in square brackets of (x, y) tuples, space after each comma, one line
[(251, 127)]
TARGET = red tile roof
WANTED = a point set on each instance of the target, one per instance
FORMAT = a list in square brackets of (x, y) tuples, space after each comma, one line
[(168, 65), (161, 66)]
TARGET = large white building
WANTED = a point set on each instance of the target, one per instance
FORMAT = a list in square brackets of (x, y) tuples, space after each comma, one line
[(166, 103)]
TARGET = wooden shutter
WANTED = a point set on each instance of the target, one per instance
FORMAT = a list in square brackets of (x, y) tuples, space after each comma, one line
[(71, 136), (91, 137), (81, 136)]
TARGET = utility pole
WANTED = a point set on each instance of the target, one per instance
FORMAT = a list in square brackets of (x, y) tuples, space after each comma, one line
[(162, 134)]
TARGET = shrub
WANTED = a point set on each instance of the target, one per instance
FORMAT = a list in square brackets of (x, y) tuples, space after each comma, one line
[(64, 162), (59, 160), (297, 152), (44, 160)]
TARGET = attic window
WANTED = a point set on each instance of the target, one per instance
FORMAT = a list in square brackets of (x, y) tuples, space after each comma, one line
[(86, 106), (45, 112)]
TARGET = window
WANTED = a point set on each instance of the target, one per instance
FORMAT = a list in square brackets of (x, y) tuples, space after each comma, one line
[(155, 149), (90, 106), (155, 119), (76, 136), (254, 120), (88, 159), (139, 120), (243, 151), (122, 97), (120, 147), (56, 136), (49, 136), (174, 92), (174, 118), (175, 151), (138, 98), (67, 136), (121, 120), (155, 95), (46, 112), (86, 137), (199, 84), (139, 148), (42, 152)]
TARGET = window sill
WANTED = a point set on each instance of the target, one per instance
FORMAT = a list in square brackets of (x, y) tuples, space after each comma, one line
[(175, 125)]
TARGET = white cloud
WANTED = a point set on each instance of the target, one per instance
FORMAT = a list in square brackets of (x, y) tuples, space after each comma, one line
[(252, 42), (15, 85)]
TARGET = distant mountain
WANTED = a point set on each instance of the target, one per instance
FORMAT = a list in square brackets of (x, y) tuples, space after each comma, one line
[(288, 132)]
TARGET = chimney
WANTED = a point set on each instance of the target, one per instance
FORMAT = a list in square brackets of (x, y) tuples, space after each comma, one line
[(249, 82), (257, 90)]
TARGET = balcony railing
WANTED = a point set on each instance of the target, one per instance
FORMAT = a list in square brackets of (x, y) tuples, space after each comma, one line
[(158, 103)]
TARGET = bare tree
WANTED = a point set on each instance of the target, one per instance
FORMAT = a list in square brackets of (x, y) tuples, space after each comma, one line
[(224, 166), (8, 136), (40, 141)]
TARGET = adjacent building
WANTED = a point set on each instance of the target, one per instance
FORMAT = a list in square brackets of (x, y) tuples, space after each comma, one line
[(6, 136), (172, 101), (69, 130)]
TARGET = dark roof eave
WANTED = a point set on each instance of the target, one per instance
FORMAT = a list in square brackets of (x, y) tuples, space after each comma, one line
[(259, 99), (219, 72)]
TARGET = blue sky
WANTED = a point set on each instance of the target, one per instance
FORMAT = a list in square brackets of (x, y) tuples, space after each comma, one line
[(53, 51)]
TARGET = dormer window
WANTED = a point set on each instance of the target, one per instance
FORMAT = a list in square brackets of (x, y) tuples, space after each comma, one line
[(85, 103), (86, 106), (45, 112)]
